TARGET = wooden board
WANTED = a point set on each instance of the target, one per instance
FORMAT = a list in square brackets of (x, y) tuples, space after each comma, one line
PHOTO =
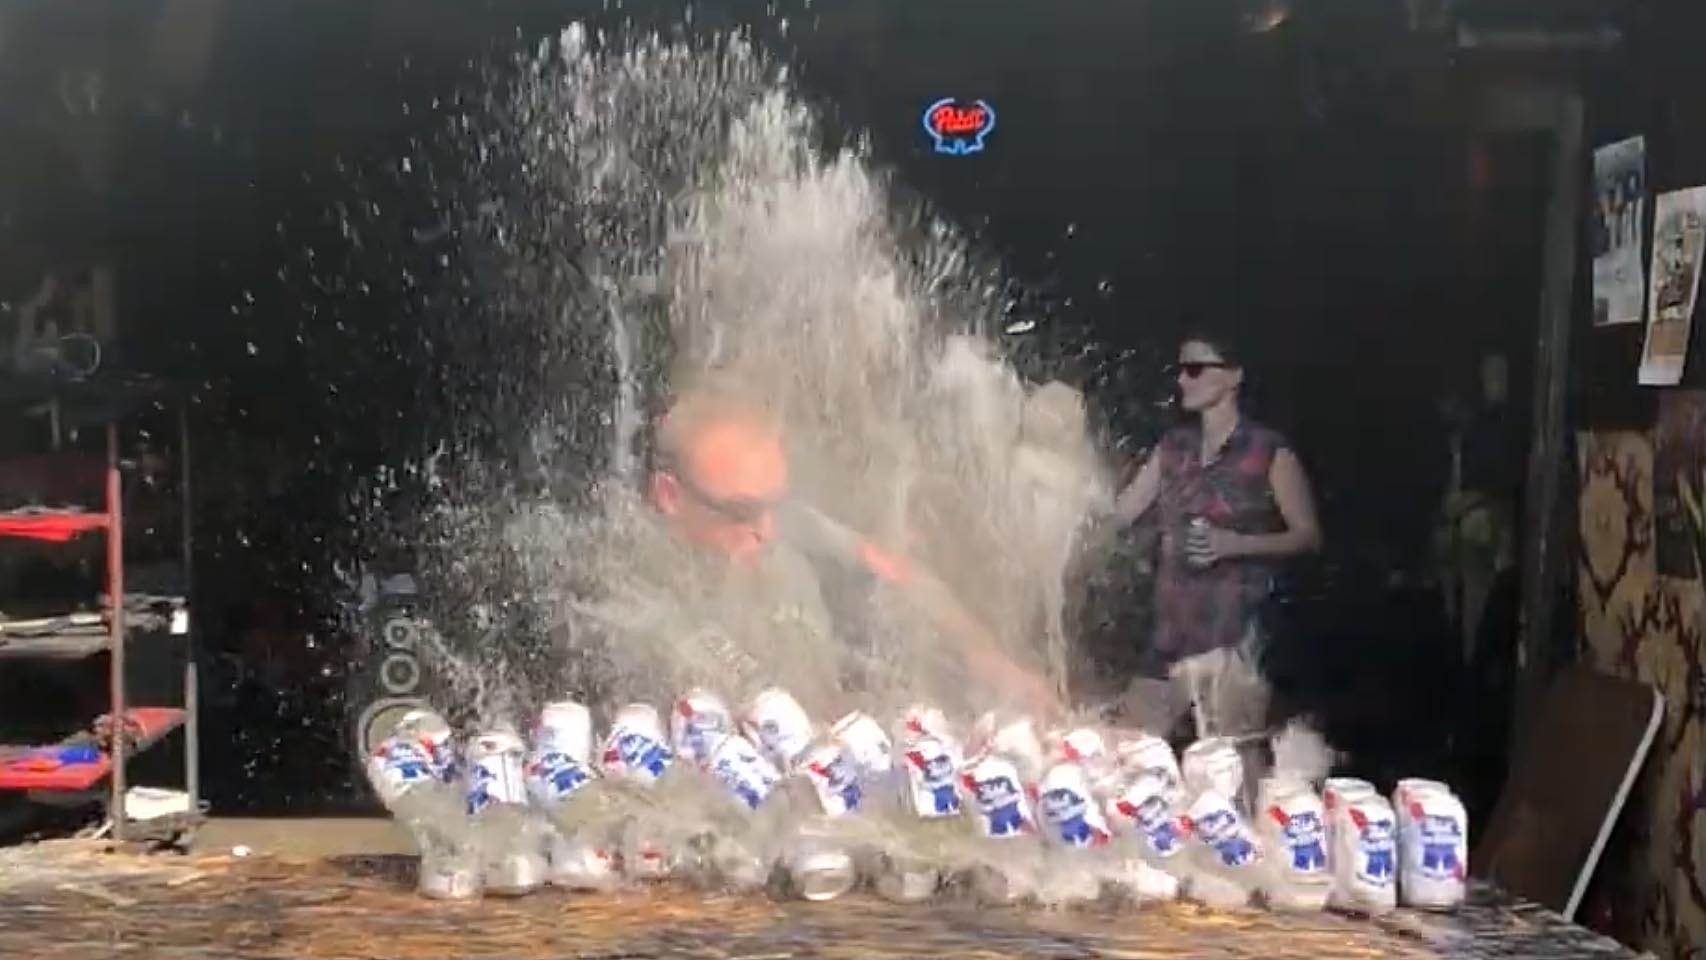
[(366, 908)]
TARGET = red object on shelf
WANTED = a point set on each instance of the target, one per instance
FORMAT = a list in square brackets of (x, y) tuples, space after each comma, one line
[(43, 772), (32, 773), (148, 724), (53, 527)]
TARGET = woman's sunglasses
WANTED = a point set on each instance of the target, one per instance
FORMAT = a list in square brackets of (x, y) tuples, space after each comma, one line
[(1195, 368)]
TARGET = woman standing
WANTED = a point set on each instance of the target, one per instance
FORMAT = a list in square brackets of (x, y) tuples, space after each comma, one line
[(1232, 501)]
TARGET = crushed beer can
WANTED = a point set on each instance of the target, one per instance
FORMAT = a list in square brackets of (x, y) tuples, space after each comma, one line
[(1214, 822), (420, 750), (698, 722), (1148, 754), (834, 778), (496, 771), (777, 724), (635, 749), (565, 726), (864, 740), (1003, 810), (1143, 810), (920, 722), (559, 761), (932, 767), (742, 770), (1068, 809), (1213, 765)]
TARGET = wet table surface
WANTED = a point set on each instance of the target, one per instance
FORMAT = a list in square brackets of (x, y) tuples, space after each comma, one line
[(365, 908)]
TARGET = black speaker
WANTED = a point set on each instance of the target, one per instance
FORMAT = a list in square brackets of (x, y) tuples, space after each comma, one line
[(390, 674)]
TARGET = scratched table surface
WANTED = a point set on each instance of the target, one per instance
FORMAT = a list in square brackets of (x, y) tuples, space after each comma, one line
[(97, 904)]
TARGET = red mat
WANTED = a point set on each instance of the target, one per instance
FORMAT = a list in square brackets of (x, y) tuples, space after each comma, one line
[(45, 772), (54, 527)]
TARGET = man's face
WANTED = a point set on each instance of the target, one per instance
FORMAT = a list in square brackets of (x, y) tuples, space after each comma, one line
[(723, 494)]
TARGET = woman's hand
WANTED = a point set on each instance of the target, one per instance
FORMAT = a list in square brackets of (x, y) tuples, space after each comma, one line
[(1209, 545)]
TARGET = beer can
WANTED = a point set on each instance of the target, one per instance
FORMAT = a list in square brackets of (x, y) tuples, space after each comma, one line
[(553, 777), (779, 726), (1144, 809), (635, 748), (565, 726), (1433, 838), (834, 778), (1087, 747), (699, 720), (1197, 532), (920, 721), (1213, 765), (932, 778), (421, 749), (1214, 822), (864, 740), (1363, 858), (742, 770), (1336, 792), (1015, 739), (1067, 807), (1149, 754), (496, 762), (1293, 822), (995, 787)]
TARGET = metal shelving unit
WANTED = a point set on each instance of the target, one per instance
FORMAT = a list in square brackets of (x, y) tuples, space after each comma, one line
[(102, 752)]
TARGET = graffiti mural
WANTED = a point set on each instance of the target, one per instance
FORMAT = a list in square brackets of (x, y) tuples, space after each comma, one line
[(1641, 623)]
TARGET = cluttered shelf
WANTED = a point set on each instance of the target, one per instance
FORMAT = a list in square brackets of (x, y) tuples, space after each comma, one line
[(83, 401), (76, 635), (83, 760)]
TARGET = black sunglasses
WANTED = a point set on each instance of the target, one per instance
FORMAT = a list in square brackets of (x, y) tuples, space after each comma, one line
[(1194, 368)]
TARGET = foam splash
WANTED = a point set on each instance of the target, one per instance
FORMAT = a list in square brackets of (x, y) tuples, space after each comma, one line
[(660, 210), (1301, 754)]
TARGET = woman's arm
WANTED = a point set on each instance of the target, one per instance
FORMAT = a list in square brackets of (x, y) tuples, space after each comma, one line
[(1139, 495), (1296, 504)]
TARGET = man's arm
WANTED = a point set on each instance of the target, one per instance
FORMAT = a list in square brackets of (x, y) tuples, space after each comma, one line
[(975, 641)]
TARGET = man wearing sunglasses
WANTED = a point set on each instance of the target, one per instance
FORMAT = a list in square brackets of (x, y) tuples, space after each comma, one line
[(720, 480), (1231, 501)]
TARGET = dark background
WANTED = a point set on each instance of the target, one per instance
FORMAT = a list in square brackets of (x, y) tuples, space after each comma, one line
[(1318, 185)]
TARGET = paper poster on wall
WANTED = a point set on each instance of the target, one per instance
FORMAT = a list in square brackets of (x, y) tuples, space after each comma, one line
[(1679, 236), (1620, 193), (1679, 483)]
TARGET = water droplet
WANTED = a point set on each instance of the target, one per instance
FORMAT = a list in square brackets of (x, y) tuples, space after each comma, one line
[(1105, 287), (253, 350), (1072, 229), (407, 168)]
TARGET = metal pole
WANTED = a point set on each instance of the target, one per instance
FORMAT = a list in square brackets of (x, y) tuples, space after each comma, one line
[(192, 699), (115, 607)]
